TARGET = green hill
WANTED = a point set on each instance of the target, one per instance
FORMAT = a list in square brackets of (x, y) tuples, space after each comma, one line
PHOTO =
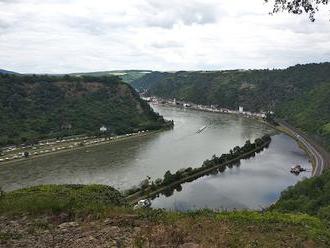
[(299, 94), (311, 196), (35, 107)]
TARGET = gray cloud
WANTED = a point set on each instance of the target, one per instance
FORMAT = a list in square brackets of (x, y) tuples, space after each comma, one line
[(163, 14)]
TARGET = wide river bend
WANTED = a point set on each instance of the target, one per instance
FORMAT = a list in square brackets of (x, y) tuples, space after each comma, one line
[(256, 183)]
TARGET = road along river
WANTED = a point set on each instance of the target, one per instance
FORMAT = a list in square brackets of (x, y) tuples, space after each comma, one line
[(255, 183)]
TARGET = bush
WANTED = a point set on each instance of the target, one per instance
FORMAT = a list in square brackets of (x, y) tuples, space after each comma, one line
[(310, 196)]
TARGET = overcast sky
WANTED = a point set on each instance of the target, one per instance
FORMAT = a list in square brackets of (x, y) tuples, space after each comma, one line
[(61, 36)]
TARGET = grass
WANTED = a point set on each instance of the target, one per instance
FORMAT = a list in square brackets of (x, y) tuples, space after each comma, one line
[(234, 229), (8, 236), (53, 199)]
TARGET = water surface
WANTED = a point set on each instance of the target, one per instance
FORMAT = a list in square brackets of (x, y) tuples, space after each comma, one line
[(256, 182)]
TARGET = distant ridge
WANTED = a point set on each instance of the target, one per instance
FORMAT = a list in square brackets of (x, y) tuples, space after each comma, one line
[(7, 72), (127, 76)]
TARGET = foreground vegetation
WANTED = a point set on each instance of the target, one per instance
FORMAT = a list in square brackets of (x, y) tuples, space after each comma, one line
[(39, 107), (54, 199), (299, 94), (311, 196), (90, 216)]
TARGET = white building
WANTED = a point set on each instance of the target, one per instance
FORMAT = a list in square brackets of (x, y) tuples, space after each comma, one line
[(240, 109), (103, 129)]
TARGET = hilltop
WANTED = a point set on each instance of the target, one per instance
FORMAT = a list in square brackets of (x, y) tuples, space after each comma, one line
[(7, 72), (128, 76), (38, 107)]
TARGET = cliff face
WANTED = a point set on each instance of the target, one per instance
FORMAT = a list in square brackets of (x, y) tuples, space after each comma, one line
[(34, 107)]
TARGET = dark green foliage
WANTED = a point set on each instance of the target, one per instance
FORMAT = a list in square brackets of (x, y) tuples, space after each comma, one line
[(299, 94), (310, 196), (310, 112), (37, 107)]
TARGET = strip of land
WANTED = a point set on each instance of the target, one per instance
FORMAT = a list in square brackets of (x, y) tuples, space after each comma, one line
[(69, 145), (134, 198)]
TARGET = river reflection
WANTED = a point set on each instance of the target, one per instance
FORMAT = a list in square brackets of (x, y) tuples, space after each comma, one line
[(125, 164), (255, 183)]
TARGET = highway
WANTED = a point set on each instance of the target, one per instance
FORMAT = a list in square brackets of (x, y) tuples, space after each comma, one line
[(315, 151)]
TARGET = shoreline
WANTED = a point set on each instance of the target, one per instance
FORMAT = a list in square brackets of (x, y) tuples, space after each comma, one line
[(135, 197), (306, 145), (120, 139)]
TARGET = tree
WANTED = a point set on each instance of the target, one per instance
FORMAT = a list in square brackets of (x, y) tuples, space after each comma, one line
[(158, 181), (298, 7), (2, 193), (168, 177), (26, 154), (144, 184)]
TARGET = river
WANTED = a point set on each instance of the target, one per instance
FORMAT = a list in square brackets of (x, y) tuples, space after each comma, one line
[(256, 183)]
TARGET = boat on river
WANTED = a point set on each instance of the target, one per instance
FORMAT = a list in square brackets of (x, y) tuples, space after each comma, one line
[(201, 129), (297, 169)]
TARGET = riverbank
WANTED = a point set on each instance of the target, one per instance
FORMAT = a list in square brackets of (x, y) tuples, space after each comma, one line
[(72, 145), (208, 166), (204, 108), (319, 157)]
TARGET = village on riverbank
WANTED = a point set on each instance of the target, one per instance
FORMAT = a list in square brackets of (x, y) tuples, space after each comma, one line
[(209, 108)]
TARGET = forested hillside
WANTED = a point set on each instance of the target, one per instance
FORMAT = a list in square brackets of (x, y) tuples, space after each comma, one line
[(311, 196), (300, 93), (35, 107)]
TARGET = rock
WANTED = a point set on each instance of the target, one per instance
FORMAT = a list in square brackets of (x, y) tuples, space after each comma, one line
[(189, 245), (114, 229), (137, 229), (68, 225), (107, 221)]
